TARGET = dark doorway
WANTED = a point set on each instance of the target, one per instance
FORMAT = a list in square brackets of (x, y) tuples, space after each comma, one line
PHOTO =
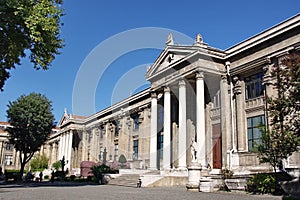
[(217, 146)]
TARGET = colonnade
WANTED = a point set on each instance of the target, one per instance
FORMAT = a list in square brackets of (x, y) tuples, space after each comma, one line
[(182, 136), (65, 147)]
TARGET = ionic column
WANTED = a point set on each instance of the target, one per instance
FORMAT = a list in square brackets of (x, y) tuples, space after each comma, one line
[(69, 148), (60, 146), (65, 146), (240, 114), (182, 125), (167, 129), (200, 118), (153, 136), (226, 129), (53, 153)]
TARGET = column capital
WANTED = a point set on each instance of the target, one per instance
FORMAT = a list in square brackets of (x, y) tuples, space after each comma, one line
[(181, 82), (199, 75), (153, 95), (267, 79), (224, 77), (166, 89), (237, 85)]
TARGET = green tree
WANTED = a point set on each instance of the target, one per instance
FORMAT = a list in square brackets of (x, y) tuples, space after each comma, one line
[(57, 165), (39, 162), (282, 138), (122, 160), (32, 121), (29, 26)]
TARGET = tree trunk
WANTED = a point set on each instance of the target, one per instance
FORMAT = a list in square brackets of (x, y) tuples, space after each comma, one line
[(22, 170), (23, 163)]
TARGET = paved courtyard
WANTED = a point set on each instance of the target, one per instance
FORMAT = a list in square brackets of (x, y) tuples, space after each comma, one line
[(79, 192)]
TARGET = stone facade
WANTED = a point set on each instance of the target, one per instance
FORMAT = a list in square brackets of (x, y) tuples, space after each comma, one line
[(198, 93)]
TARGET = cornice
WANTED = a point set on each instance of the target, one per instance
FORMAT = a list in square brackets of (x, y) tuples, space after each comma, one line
[(250, 65), (263, 36)]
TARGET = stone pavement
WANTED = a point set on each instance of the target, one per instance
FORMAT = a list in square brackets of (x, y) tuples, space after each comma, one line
[(83, 191)]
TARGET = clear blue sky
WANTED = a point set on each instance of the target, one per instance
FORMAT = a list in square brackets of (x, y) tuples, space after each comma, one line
[(88, 23)]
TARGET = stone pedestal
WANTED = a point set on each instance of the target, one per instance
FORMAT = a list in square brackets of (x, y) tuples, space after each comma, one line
[(206, 184), (194, 173)]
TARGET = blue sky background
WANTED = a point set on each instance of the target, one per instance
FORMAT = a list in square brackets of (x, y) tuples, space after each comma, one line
[(87, 23)]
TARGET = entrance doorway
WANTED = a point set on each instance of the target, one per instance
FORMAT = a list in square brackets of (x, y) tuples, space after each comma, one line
[(217, 146)]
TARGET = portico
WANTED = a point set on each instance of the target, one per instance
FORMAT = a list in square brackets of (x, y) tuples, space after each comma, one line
[(65, 147), (179, 85)]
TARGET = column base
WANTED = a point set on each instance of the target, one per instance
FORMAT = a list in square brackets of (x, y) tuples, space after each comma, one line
[(153, 169), (192, 187)]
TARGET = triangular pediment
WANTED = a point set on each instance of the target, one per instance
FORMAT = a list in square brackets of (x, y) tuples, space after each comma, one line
[(169, 56), (65, 118)]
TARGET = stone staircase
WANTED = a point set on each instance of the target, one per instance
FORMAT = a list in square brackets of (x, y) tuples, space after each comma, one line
[(152, 172), (127, 180)]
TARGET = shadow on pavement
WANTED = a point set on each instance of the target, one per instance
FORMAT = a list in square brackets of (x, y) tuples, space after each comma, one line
[(46, 184)]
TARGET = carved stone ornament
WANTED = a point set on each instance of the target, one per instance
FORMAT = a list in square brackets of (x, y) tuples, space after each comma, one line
[(237, 85), (198, 40), (170, 40)]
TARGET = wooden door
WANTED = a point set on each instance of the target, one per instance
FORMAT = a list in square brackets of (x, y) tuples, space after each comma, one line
[(217, 146)]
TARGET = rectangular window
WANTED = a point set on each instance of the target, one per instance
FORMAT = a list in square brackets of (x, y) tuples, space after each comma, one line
[(101, 153), (116, 152), (8, 159), (9, 147), (254, 87), (101, 132), (135, 149), (216, 100), (116, 128), (136, 122), (254, 133)]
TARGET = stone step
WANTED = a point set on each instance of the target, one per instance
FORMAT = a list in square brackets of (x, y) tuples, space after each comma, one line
[(153, 172), (129, 180)]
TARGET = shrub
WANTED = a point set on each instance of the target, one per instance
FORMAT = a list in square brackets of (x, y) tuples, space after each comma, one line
[(57, 165), (39, 162), (98, 171), (46, 177), (12, 174), (226, 173), (261, 183), (122, 160), (72, 177)]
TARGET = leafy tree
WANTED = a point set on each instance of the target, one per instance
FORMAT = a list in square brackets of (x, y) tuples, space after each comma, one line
[(57, 165), (32, 121), (122, 160), (282, 138), (39, 162), (276, 146), (29, 26)]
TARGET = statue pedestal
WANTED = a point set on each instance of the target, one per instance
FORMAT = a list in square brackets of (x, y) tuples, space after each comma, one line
[(206, 184), (194, 173)]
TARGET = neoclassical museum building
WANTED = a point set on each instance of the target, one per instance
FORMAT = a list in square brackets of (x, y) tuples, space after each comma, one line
[(198, 93), (200, 97)]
